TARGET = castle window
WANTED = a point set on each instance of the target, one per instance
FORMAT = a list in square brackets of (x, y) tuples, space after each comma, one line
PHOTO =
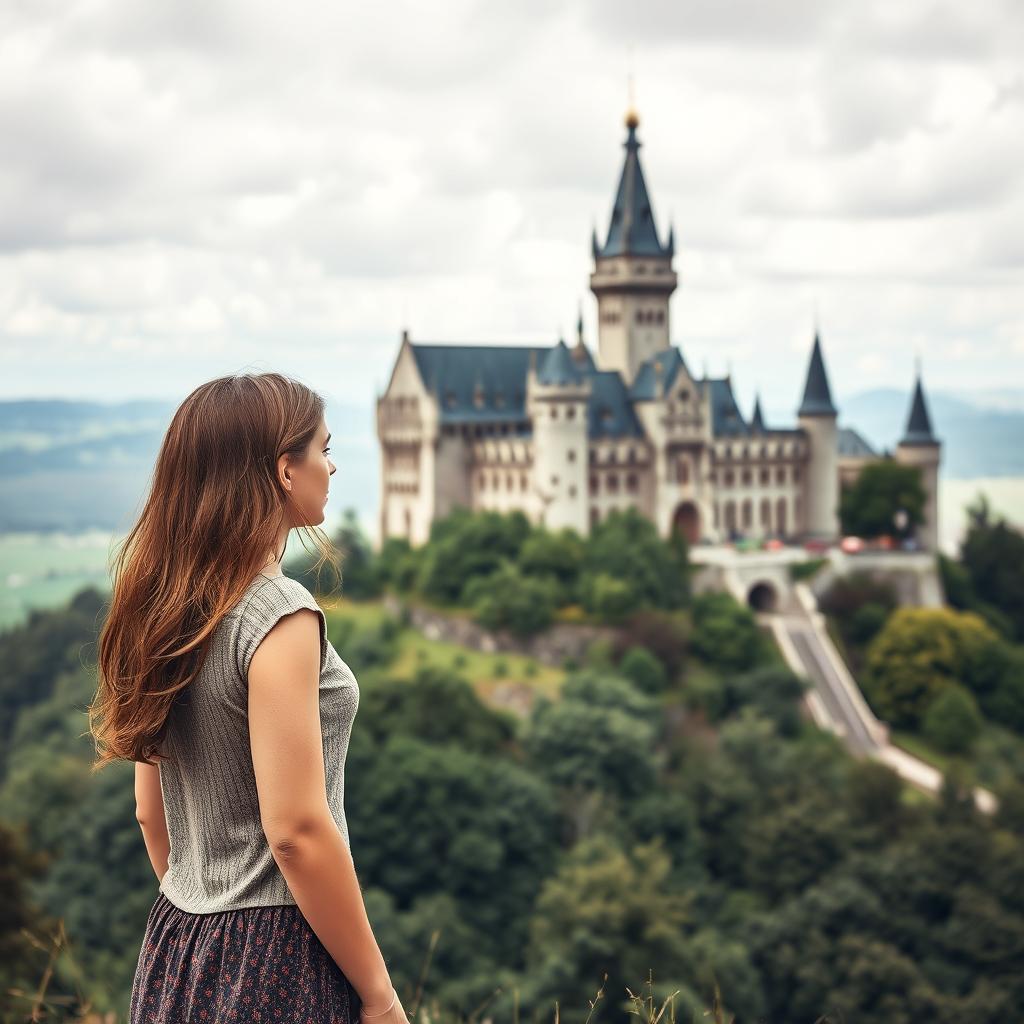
[(509, 482), (612, 483), (796, 474), (766, 513), (780, 475), (748, 513), (496, 482), (718, 514), (570, 413), (593, 483), (683, 471), (684, 395), (571, 453), (522, 481), (712, 477), (780, 516), (661, 316), (631, 483), (765, 475), (481, 481), (728, 481), (746, 476), (630, 455), (554, 412)]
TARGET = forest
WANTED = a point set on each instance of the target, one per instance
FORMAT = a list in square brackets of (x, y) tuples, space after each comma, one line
[(663, 819)]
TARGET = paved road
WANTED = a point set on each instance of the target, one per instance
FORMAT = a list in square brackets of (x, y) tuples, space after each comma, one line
[(829, 686)]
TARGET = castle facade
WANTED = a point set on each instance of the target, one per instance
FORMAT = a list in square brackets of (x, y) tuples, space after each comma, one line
[(566, 435)]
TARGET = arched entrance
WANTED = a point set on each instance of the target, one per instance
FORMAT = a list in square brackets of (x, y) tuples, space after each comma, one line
[(763, 597), (686, 521)]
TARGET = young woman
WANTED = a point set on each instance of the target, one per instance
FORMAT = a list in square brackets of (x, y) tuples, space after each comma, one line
[(217, 679)]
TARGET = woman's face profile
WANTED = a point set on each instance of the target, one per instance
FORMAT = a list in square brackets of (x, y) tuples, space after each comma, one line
[(310, 480)]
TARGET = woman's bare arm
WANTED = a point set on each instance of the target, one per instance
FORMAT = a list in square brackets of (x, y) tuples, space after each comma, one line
[(149, 812), (287, 754)]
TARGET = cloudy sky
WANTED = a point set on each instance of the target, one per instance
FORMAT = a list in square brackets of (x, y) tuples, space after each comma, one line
[(197, 187)]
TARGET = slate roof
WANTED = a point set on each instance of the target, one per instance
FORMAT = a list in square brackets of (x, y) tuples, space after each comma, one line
[(817, 400), (559, 367), (632, 231), (454, 373), (850, 443), (726, 418), (647, 383), (919, 423), (457, 374), (610, 412), (756, 419)]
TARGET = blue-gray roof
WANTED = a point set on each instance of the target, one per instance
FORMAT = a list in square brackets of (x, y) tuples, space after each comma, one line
[(849, 442), (458, 374), (817, 400), (558, 367), (632, 231), (756, 418), (919, 423), (726, 418), (663, 366), (609, 412)]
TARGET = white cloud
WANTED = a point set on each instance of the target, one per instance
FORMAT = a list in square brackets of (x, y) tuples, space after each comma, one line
[(187, 187)]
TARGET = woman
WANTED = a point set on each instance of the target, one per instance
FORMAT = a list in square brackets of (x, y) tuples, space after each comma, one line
[(217, 679)]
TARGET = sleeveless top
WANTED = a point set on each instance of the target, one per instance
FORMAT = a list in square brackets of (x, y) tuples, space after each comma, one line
[(219, 855)]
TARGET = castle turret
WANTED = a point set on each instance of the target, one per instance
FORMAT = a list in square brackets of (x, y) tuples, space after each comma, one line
[(557, 393), (920, 447), (633, 277), (817, 417)]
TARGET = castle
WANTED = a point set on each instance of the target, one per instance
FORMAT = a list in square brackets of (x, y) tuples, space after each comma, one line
[(566, 437)]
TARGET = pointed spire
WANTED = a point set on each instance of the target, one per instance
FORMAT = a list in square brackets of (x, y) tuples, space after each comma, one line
[(918, 430), (817, 400), (756, 419), (632, 231), (579, 325)]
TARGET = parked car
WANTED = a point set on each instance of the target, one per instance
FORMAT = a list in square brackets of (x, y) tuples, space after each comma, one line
[(851, 545)]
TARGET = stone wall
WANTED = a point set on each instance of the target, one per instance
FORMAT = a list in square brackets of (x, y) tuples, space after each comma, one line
[(552, 647)]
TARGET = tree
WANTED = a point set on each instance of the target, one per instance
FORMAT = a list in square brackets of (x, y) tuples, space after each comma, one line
[(610, 910), (508, 599), (868, 506), (992, 552), (920, 651), (953, 721), (725, 632)]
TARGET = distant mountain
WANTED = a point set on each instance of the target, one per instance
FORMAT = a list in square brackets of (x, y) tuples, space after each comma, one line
[(71, 465), (978, 440)]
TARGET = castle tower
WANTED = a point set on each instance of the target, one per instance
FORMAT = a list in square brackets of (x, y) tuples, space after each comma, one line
[(633, 277), (817, 417), (556, 401), (920, 447)]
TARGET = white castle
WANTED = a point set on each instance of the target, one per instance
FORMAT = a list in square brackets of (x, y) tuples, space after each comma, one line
[(567, 438)]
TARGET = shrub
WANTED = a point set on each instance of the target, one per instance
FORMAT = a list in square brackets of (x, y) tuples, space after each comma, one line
[(953, 721), (725, 632), (644, 670), (509, 600)]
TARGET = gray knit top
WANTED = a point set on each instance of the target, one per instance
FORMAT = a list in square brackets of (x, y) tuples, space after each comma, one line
[(219, 856)]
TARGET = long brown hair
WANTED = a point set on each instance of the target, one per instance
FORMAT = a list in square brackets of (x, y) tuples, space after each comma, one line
[(213, 513)]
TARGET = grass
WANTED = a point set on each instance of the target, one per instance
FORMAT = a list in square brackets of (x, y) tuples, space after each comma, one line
[(415, 651)]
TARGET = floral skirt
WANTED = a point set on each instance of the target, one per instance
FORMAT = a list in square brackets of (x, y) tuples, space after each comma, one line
[(261, 964)]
